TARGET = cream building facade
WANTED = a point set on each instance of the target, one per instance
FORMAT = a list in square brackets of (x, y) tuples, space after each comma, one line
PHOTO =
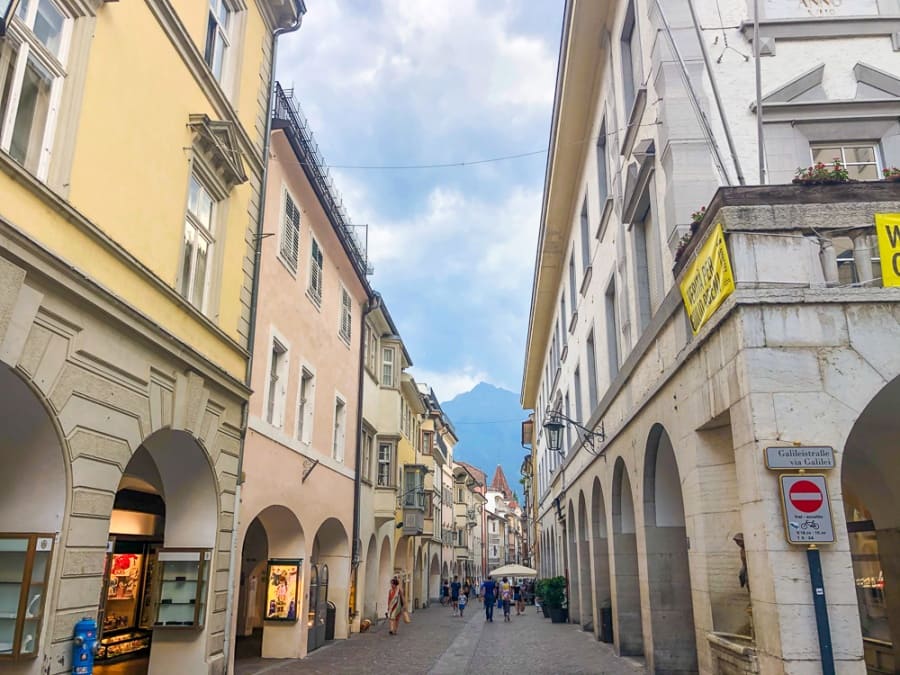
[(127, 272), (653, 517)]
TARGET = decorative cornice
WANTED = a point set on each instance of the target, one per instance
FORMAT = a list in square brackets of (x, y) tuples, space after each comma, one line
[(172, 26), (218, 142)]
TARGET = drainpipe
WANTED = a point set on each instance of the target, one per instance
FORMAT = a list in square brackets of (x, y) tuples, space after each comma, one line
[(251, 332), (373, 303)]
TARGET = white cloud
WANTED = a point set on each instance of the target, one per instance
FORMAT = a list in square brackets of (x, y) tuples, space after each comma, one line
[(448, 384)]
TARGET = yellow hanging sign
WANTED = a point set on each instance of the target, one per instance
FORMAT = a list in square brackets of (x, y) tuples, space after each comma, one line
[(888, 227), (708, 280)]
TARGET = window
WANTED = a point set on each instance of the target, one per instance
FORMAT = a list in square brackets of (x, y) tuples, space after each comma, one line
[(217, 37), (568, 426), (387, 367), (631, 58), (340, 426), (612, 330), (199, 232), (305, 405), (368, 446), (461, 495), (413, 488), (427, 442), (572, 283), (290, 232), (602, 167), (585, 237), (371, 349), (32, 71), (384, 474), (861, 159), (592, 372), (563, 335), (577, 386), (277, 381), (346, 315), (315, 272)]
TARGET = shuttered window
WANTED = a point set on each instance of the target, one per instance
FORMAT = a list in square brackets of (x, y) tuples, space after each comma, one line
[(346, 314), (290, 232), (315, 271)]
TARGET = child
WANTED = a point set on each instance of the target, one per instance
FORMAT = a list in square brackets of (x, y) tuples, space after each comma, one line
[(463, 598)]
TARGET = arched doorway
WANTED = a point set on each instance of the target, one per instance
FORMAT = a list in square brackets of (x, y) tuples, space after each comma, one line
[(33, 496), (271, 593), (584, 567), (331, 559), (870, 482), (370, 610), (668, 570), (629, 635), (571, 566), (162, 531), (385, 572), (403, 565), (434, 579), (602, 593), (418, 597)]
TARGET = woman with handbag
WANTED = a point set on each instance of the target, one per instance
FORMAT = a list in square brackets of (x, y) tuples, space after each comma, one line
[(396, 606)]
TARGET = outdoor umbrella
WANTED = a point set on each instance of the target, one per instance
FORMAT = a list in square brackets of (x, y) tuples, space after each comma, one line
[(513, 571)]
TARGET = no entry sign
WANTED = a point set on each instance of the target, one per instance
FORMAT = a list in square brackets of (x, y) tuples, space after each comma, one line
[(807, 514)]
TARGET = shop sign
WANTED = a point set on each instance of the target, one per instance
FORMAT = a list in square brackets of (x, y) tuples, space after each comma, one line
[(800, 457), (887, 225), (807, 512), (708, 280), (282, 589)]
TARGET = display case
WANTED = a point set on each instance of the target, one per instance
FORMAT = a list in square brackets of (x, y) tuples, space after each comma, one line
[(24, 573), (282, 591), (183, 576)]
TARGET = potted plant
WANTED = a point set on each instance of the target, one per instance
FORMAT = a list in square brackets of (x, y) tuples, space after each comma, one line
[(696, 219), (682, 245), (554, 598), (822, 174), (891, 174)]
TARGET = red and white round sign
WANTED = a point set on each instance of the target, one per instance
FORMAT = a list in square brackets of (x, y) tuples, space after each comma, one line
[(806, 496)]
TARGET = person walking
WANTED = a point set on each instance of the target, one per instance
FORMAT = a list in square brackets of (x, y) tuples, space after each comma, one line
[(505, 597), (488, 590), (396, 605), (454, 595), (445, 592), (463, 601), (519, 597)]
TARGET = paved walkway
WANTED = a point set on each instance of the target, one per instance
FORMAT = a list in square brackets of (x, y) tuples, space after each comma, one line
[(437, 643)]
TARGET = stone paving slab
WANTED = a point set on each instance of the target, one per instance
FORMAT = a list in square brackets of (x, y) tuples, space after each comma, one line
[(438, 643)]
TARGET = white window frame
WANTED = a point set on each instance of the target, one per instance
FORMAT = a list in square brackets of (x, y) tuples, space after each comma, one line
[(224, 33), (367, 450), (388, 463), (276, 391), (306, 410), (345, 324), (843, 145), (339, 427), (21, 38), (186, 287), (316, 284), (385, 363), (289, 233)]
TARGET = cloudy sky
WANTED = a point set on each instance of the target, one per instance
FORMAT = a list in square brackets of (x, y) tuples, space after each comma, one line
[(422, 82)]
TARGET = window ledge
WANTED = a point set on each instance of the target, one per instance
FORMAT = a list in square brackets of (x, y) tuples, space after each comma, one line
[(830, 27), (315, 300), (564, 354), (637, 113), (345, 339), (586, 279), (604, 218), (572, 323), (291, 269)]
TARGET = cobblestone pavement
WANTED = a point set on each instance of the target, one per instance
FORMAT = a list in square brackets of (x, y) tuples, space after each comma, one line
[(437, 643)]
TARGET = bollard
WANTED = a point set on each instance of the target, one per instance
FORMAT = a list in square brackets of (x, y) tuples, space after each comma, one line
[(84, 646)]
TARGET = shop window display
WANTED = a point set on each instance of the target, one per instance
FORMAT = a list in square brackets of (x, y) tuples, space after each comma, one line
[(24, 573)]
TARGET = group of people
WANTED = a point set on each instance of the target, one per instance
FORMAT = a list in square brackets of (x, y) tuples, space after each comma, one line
[(502, 595)]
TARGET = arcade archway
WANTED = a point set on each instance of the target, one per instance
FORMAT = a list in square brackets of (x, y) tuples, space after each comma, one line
[(870, 481), (628, 631), (571, 566), (602, 592), (584, 567), (370, 610), (669, 578), (329, 584)]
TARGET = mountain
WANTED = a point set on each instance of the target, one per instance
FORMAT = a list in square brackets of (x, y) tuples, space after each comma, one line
[(488, 423)]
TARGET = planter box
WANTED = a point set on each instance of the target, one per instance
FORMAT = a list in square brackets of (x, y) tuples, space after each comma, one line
[(559, 615), (546, 611)]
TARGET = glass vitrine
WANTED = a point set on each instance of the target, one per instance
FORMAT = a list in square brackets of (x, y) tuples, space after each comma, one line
[(183, 576), (24, 570)]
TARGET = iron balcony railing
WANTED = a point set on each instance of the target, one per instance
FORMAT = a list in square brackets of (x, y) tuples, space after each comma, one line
[(288, 116)]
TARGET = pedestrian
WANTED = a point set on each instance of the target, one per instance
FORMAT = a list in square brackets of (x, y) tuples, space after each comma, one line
[(488, 589), (454, 595), (396, 605), (467, 590), (445, 592), (519, 597), (463, 600), (505, 597)]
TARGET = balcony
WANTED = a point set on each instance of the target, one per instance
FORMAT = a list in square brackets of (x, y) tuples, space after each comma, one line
[(461, 552), (413, 521), (385, 504)]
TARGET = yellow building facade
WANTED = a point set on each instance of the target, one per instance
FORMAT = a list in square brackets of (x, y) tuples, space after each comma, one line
[(131, 144)]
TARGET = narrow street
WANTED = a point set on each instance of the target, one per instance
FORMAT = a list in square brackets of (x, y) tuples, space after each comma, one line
[(438, 643)]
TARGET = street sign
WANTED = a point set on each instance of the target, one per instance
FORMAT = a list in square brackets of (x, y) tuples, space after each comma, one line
[(807, 512), (800, 457)]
